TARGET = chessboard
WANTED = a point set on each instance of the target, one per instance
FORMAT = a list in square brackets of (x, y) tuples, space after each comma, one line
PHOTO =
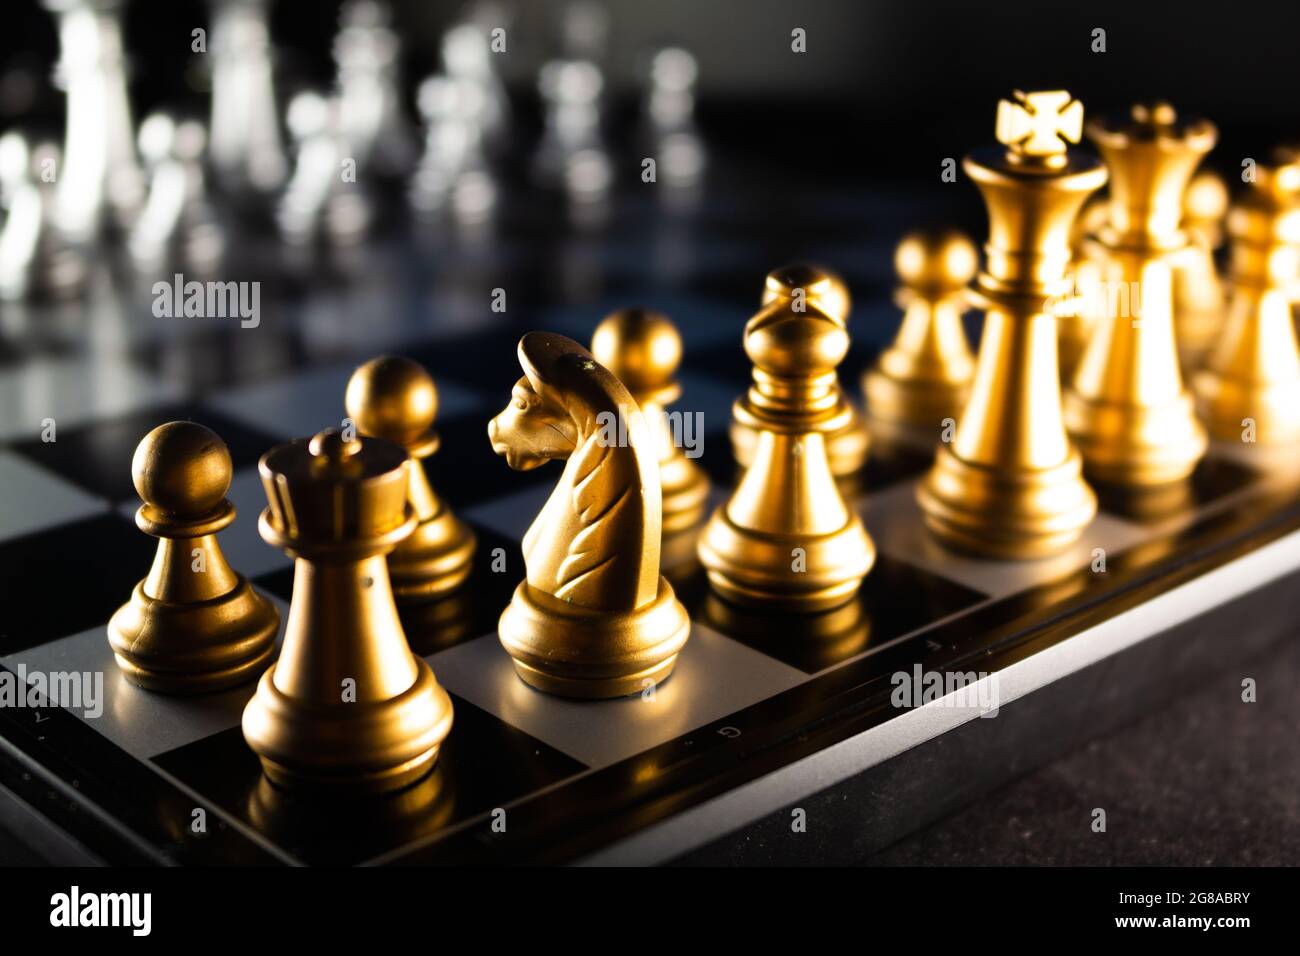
[(779, 737), (767, 719)]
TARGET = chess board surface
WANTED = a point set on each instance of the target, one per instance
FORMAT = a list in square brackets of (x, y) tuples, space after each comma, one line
[(760, 712)]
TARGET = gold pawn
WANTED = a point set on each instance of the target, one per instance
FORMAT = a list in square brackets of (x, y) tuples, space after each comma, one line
[(347, 706), (923, 378), (193, 625), (395, 399), (644, 349), (1127, 409), (1010, 484), (1249, 389), (1200, 299), (786, 538), (801, 284)]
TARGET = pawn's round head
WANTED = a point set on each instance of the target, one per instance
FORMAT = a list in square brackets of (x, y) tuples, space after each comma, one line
[(156, 137), (393, 398), (794, 344), (182, 468), (935, 262), (816, 285), (641, 347), (1206, 199)]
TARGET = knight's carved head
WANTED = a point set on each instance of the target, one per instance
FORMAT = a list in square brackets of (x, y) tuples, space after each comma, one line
[(531, 431), (554, 408)]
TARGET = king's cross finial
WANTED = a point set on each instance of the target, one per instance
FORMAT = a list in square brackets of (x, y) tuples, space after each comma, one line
[(1038, 125)]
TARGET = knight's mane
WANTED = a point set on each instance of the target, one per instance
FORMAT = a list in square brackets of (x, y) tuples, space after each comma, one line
[(566, 376)]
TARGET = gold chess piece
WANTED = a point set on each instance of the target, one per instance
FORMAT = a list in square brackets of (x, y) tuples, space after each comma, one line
[(1127, 410), (786, 537), (1200, 298), (1249, 389), (347, 706), (643, 350), (193, 625), (395, 399), (1077, 313), (847, 441), (923, 378), (593, 617), (1010, 484)]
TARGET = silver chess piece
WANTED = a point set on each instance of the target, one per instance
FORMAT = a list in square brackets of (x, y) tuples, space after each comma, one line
[(670, 117), (101, 173), (453, 175), (467, 56), (572, 154), (178, 224), (323, 199), (246, 150), (369, 90), (38, 260)]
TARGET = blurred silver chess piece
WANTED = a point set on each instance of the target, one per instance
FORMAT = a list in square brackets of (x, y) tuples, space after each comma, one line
[(324, 199), (678, 150), (245, 149), (467, 57), (572, 154), (100, 173), (38, 260), (369, 90), (178, 225), (453, 176)]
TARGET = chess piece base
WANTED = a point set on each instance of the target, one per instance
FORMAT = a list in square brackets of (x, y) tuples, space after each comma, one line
[(753, 567), (576, 651), (363, 747), (194, 648), (1009, 515), (434, 560), (1146, 502), (1133, 444)]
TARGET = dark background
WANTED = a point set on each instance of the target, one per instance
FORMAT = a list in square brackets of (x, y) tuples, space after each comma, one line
[(885, 87)]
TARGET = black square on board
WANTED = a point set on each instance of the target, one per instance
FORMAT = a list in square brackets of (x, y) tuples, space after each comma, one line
[(97, 456), (70, 578), (895, 599), (484, 763)]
